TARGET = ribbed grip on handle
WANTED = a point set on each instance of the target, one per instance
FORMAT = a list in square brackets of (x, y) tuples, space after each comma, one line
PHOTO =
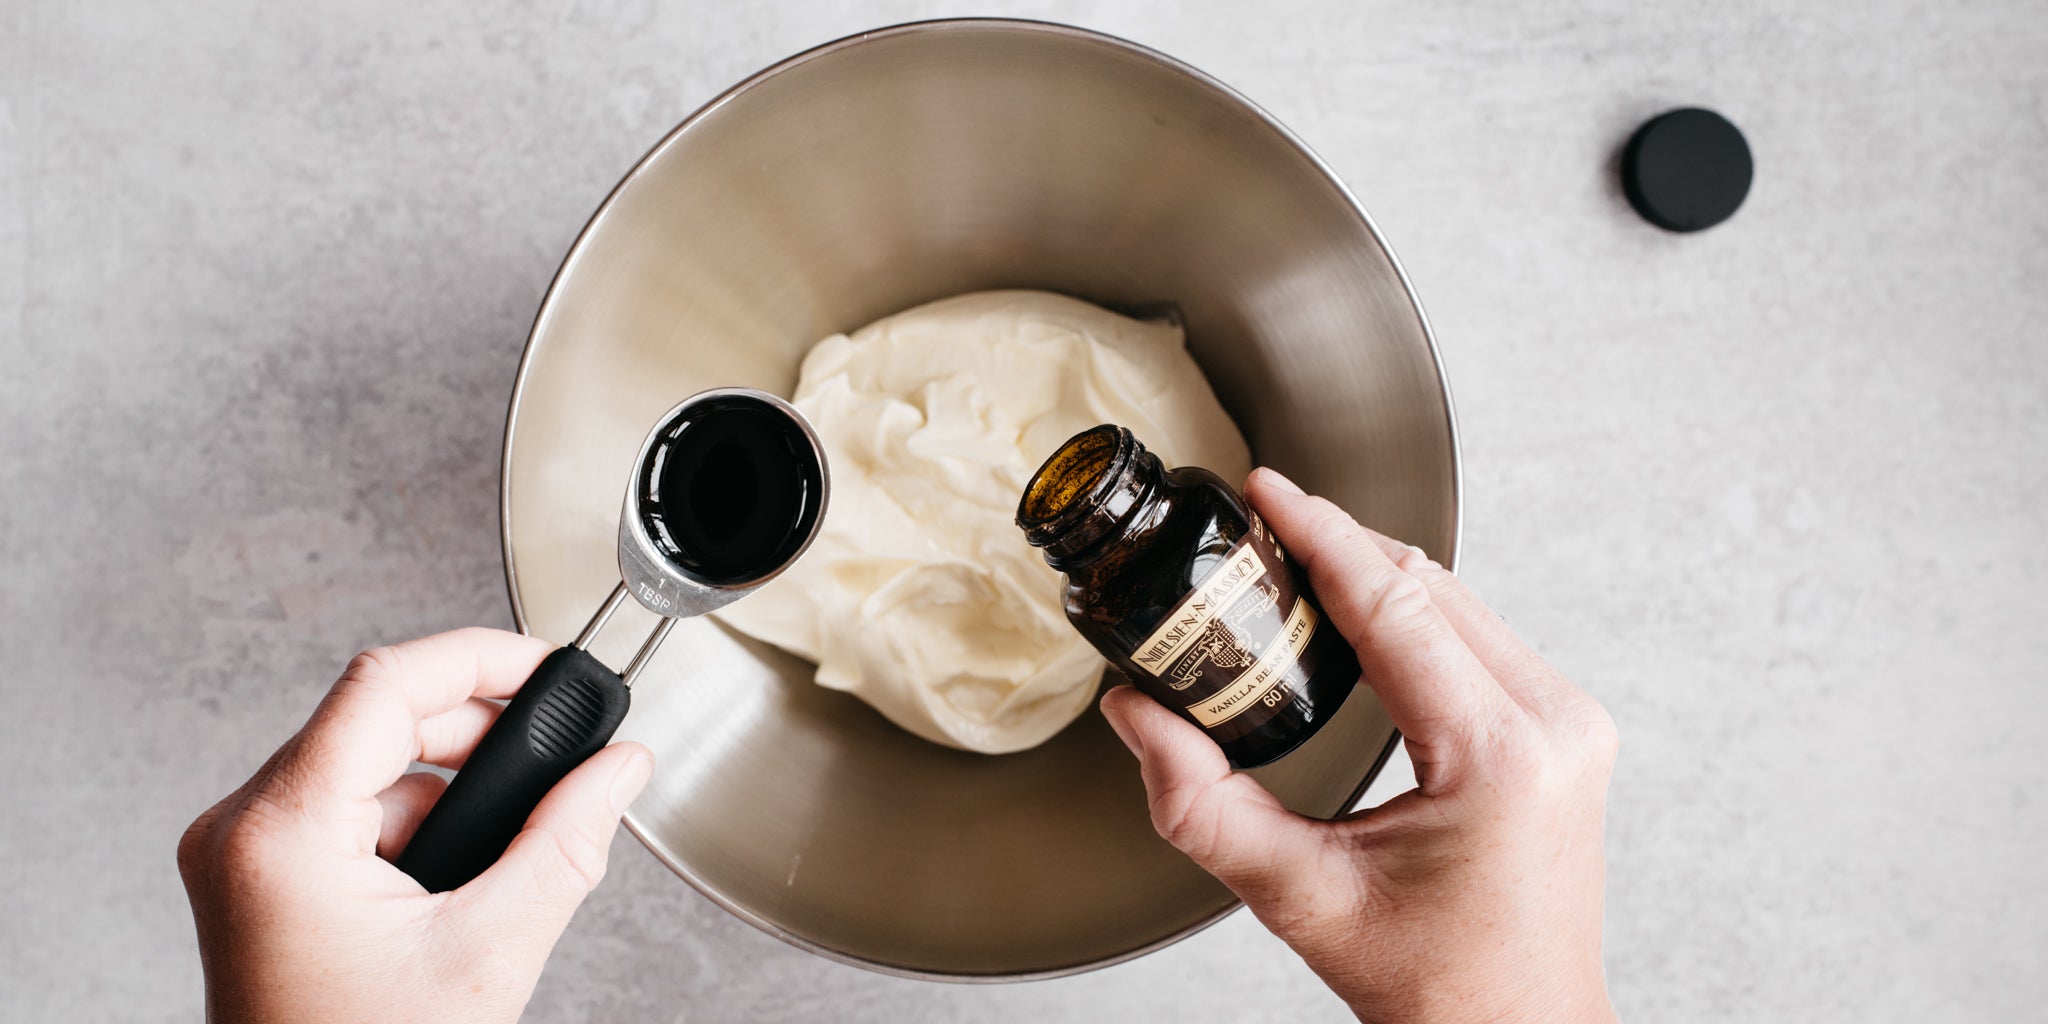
[(566, 712)]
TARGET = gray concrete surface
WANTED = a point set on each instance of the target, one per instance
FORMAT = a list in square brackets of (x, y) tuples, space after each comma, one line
[(1773, 493)]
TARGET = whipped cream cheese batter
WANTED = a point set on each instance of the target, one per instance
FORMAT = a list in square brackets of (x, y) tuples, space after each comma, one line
[(919, 595)]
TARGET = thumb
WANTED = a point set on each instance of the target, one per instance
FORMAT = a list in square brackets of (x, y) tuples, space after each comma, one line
[(1227, 823), (534, 888)]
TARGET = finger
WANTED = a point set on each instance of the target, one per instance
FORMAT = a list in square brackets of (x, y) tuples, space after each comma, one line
[(405, 805), (542, 878), (1523, 673), (434, 673), (1227, 823), (446, 739), (1435, 689), (365, 732)]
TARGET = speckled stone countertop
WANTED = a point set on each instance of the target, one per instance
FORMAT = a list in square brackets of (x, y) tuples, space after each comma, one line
[(1775, 493)]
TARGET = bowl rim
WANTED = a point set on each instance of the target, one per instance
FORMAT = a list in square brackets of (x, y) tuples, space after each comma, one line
[(576, 249)]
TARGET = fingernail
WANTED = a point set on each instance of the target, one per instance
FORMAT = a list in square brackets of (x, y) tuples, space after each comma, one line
[(631, 779), (1280, 480), (1123, 729)]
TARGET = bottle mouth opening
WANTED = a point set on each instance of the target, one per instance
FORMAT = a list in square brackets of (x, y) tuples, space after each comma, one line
[(1073, 482)]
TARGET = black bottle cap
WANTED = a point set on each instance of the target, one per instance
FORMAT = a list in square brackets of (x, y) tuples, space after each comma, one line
[(1687, 170)]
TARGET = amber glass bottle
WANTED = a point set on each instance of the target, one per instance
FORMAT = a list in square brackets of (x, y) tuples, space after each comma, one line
[(1176, 581)]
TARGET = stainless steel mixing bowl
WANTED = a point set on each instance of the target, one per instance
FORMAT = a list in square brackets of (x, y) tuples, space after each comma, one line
[(864, 177)]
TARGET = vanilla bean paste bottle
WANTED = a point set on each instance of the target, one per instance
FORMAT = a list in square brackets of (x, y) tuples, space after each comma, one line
[(1176, 581)]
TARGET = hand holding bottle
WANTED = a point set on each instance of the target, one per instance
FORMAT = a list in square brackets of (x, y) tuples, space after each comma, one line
[(1477, 895)]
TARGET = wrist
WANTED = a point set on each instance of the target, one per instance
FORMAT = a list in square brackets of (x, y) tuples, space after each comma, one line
[(1408, 1001)]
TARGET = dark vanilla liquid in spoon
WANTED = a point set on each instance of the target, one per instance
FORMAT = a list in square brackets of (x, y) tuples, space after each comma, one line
[(730, 491)]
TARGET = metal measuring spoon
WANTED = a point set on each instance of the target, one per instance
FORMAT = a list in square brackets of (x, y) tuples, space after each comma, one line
[(727, 491)]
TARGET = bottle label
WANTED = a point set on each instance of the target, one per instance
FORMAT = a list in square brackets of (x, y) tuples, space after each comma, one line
[(1235, 642)]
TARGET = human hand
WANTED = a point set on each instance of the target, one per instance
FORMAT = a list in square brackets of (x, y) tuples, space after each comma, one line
[(1474, 897), (302, 917)]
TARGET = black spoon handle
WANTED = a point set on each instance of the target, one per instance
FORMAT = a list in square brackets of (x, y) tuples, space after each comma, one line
[(566, 711)]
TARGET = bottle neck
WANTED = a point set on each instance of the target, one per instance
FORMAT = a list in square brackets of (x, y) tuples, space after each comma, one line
[(1087, 495)]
